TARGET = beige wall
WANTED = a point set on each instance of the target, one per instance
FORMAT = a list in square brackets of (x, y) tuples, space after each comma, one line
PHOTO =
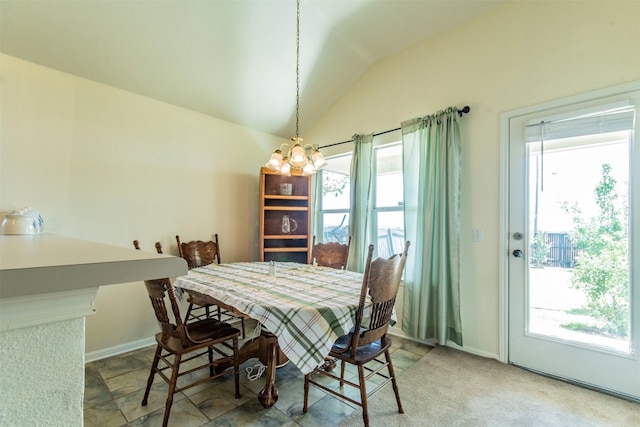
[(516, 55), (108, 166)]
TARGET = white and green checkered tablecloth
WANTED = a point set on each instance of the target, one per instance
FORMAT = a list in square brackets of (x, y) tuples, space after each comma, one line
[(306, 307)]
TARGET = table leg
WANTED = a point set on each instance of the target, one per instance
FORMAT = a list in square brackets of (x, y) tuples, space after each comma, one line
[(266, 349), (268, 396)]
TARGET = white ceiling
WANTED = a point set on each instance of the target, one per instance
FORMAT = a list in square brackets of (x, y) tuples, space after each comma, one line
[(231, 59)]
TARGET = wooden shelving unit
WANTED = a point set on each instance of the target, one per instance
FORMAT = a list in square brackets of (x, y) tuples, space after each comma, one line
[(275, 242)]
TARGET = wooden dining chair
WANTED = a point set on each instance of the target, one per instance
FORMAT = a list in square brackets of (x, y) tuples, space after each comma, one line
[(179, 343), (199, 253), (332, 254), (381, 281)]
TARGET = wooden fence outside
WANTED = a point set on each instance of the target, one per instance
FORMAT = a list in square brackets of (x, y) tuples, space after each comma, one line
[(560, 252)]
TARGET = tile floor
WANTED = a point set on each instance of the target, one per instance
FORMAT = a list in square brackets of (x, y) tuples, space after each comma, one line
[(114, 388)]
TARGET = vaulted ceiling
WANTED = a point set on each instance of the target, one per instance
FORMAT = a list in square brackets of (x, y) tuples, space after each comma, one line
[(231, 59)]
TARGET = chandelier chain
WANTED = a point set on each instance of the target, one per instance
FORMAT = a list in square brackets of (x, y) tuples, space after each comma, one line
[(297, 67), (305, 159)]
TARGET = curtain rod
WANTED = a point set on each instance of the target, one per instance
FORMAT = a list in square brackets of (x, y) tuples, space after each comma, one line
[(466, 109)]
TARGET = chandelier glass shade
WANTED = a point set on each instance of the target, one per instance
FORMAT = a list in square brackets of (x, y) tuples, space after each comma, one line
[(305, 158)]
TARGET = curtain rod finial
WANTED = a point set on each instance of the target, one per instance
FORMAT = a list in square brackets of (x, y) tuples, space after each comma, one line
[(466, 109)]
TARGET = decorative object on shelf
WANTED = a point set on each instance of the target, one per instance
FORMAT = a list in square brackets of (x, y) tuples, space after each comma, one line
[(286, 189), (307, 158), (289, 225)]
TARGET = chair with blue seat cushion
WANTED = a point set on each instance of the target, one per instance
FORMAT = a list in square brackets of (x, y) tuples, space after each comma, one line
[(381, 282)]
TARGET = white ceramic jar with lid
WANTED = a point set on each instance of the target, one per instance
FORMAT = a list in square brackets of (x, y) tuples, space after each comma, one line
[(22, 221)]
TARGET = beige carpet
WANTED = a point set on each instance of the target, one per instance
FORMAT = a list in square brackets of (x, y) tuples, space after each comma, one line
[(448, 387)]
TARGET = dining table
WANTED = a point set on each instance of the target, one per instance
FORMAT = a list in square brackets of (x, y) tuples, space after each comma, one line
[(301, 309)]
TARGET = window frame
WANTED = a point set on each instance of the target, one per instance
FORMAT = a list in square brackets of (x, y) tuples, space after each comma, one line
[(320, 200)]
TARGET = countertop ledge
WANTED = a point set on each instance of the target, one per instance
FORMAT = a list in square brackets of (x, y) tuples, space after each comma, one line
[(45, 263)]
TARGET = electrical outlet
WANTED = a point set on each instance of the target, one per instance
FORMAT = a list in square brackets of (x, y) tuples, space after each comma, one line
[(477, 234)]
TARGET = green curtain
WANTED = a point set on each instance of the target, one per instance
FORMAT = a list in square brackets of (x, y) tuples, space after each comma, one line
[(431, 169), (360, 206)]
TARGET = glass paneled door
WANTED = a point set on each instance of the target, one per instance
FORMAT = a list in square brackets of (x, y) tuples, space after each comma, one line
[(573, 288)]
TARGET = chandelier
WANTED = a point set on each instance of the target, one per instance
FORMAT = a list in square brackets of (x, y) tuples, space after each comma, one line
[(305, 158)]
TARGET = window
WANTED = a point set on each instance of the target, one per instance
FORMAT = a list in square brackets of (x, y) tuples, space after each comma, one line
[(387, 223), (388, 218)]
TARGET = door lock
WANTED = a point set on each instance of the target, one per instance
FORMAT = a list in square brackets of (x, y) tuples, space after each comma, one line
[(517, 253)]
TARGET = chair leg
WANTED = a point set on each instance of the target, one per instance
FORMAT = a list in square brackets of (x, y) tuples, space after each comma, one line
[(175, 370), (236, 367), (152, 373), (242, 323), (210, 351), (393, 381), (305, 406), (341, 373), (363, 395)]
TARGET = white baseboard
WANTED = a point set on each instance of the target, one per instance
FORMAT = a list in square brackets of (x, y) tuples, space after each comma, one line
[(399, 333), (475, 351), (118, 349)]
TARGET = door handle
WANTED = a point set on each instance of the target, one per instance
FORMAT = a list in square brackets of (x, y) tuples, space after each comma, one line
[(517, 253)]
